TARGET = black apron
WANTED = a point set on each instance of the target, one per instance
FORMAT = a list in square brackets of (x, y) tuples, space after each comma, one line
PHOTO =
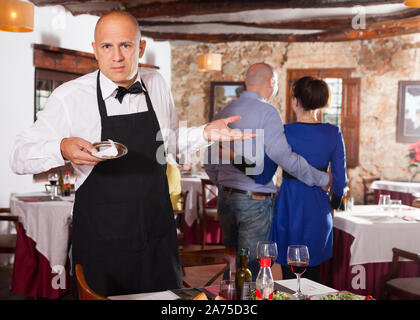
[(124, 233)]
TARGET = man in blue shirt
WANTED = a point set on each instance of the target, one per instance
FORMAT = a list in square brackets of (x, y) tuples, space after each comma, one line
[(244, 207)]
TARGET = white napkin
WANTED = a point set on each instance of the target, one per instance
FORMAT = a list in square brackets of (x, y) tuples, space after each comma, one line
[(307, 286), (108, 152), (162, 295)]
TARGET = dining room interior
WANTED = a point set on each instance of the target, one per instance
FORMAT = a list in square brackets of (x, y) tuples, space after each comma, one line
[(368, 52)]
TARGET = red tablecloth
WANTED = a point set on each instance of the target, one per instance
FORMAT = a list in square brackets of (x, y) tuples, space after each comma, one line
[(32, 274), (406, 198), (338, 274), (192, 235)]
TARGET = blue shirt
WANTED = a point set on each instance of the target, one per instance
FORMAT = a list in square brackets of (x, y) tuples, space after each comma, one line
[(264, 119)]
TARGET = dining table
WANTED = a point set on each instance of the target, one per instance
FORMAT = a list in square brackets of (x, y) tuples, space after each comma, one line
[(41, 266), (362, 247), (191, 183), (308, 287), (398, 190)]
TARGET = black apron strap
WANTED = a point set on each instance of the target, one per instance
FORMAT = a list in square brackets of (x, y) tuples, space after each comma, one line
[(101, 102)]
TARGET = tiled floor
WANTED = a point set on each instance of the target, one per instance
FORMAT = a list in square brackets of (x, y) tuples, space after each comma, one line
[(194, 276)]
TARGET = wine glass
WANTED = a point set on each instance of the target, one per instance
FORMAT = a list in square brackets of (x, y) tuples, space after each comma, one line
[(53, 179), (267, 249), (298, 261), (227, 289)]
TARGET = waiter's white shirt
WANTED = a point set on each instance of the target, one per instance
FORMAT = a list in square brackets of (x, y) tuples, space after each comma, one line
[(72, 111)]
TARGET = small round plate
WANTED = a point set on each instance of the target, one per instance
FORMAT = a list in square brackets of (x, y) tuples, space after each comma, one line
[(122, 149)]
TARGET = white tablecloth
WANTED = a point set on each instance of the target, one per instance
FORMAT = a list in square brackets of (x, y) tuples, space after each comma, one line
[(192, 184), (47, 223), (376, 232), (405, 187), (307, 286)]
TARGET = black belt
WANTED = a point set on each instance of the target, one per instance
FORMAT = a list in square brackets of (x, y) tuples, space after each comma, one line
[(249, 193), (289, 176)]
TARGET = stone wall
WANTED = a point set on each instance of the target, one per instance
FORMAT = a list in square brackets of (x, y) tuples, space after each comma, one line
[(379, 63)]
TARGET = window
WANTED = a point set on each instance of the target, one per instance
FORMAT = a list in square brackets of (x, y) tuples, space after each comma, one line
[(332, 114), (46, 81), (344, 105)]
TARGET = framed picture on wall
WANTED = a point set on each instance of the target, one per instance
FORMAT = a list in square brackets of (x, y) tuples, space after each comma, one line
[(222, 93), (408, 117)]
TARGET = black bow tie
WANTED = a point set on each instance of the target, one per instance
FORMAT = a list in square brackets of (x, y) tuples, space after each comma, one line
[(134, 89)]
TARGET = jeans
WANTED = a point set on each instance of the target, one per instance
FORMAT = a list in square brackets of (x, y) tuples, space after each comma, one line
[(244, 221)]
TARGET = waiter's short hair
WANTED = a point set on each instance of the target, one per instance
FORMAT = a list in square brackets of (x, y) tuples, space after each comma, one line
[(312, 93), (122, 13)]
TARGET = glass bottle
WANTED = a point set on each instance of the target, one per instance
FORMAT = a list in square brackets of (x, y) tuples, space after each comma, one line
[(264, 283), (67, 185), (243, 276), (61, 182)]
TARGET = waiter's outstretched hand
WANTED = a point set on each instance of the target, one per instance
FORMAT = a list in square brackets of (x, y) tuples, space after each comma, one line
[(218, 130), (74, 150)]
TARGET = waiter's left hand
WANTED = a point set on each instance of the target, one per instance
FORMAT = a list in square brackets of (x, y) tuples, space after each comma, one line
[(218, 130)]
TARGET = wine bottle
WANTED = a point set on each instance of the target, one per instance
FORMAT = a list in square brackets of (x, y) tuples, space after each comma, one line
[(60, 182), (243, 276)]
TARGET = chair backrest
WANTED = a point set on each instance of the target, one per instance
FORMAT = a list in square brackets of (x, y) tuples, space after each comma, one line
[(179, 220), (184, 196), (368, 195), (8, 241), (225, 256), (206, 189), (396, 255), (83, 289)]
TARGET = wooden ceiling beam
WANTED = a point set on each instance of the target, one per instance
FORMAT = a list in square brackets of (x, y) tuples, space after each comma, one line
[(376, 31), (180, 8), (306, 24), (197, 7), (372, 32)]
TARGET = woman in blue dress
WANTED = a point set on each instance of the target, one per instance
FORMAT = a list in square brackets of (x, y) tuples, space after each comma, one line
[(303, 214)]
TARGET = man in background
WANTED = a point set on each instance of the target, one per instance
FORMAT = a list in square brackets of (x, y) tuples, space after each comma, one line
[(244, 207)]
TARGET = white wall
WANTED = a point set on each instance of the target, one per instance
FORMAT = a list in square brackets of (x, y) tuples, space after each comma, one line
[(57, 27)]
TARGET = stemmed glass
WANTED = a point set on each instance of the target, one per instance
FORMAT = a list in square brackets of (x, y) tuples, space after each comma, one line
[(267, 249), (53, 179), (298, 261)]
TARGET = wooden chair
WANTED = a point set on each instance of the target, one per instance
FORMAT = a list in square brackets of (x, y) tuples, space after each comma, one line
[(368, 195), (209, 212), (226, 256), (8, 241), (416, 202), (85, 292), (403, 288), (180, 216)]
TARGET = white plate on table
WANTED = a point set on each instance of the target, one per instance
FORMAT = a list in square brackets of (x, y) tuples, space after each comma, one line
[(100, 146)]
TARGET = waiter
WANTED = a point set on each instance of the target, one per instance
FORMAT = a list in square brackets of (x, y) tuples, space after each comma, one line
[(124, 234)]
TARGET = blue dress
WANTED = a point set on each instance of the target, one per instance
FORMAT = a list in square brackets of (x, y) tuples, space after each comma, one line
[(302, 214)]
